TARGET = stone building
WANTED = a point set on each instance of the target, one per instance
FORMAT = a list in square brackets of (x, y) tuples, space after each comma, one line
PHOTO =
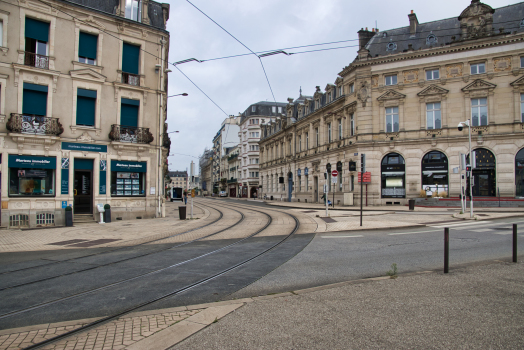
[(178, 179), (233, 170), (399, 103), (206, 170), (226, 137), (250, 125), (82, 109)]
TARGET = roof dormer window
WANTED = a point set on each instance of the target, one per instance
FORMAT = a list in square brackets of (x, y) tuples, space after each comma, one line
[(134, 10)]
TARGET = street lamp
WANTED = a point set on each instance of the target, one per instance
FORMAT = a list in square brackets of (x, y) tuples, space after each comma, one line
[(461, 126), (182, 94)]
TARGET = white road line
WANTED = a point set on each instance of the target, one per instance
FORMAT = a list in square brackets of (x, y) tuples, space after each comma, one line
[(482, 230), (502, 233), (465, 224), (355, 236), (410, 233)]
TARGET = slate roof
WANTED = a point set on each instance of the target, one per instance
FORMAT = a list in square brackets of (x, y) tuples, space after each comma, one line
[(509, 17), (177, 174)]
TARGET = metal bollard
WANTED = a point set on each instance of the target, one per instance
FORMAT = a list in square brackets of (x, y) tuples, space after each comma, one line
[(446, 250), (514, 243)]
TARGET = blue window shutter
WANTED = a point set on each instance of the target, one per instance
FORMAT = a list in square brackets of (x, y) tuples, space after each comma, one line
[(129, 112), (86, 93), (87, 45), (85, 111), (34, 102), (37, 30), (130, 57)]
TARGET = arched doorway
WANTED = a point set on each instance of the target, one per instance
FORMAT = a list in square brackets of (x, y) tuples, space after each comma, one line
[(519, 173), (253, 192), (435, 173), (484, 175), (289, 186), (393, 173)]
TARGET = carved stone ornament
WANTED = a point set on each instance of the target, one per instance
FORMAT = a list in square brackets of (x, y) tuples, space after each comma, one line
[(479, 84), (476, 20), (502, 64), (454, 70), (93, 22), (411, 76), (374, 81), (85, 137), (363, 93), (433, 90), (391, 95)]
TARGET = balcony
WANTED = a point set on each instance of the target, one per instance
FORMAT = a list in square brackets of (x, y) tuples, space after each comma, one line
[(122, 133), (232, 181), (34, 124), (232, 157), (131, 79), (34, 60)]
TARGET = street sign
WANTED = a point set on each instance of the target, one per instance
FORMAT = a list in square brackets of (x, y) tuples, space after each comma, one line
[(334, 173), (193, 193), (334, 179), (325, 188), (367, 177)]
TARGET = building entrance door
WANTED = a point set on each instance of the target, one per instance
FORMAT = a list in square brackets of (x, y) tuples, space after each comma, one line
[(83, 191), (484, 183), (315, 189), (289, 186)]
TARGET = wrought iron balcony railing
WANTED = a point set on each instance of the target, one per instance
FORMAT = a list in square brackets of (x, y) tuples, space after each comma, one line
[(34, 124), (232, 181), (131, 134), (131, 79), (35, 60)]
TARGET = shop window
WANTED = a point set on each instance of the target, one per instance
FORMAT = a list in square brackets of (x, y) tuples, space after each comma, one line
[(87, 48), (392, 120), (85, 107), (479, 111), (433, 115), (31, 182), (435, 179), (128, 179), (393, 176)]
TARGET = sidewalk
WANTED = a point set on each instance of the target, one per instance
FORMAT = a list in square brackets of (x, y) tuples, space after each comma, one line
[(478, 306)]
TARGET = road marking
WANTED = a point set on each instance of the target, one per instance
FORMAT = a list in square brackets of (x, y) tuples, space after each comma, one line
[(502, 233), (355, 236), (466, 224), (482, 230), (410, 233)]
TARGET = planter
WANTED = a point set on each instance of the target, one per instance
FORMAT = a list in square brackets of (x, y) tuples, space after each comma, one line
[(107, 215), (69, 218)]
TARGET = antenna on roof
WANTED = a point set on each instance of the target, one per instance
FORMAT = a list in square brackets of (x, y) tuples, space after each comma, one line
[(301, 91)]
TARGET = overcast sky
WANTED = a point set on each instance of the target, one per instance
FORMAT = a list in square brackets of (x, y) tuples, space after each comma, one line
[(236, 83)]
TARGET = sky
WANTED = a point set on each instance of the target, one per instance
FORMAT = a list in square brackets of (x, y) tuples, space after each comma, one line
[(262, 25)]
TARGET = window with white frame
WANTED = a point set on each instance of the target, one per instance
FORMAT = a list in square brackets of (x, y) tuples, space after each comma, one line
[(433, 116), (478, 68), (352, 125), (392, 121), (479, 111), (340, 129), (522, 108), (254, 134), (274, 109), (329, 132), (340, 90), (351, 88), (134, 10), (432, 74), (317, 139), (391, 80), (253, 109)]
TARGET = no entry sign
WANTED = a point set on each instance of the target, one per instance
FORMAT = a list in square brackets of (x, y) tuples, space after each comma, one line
[(334, 173)]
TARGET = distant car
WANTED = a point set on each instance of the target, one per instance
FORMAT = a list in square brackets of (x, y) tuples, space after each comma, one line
[(222, 194)]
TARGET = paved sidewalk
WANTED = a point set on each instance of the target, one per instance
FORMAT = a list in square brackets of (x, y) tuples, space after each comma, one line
[(474, 307)]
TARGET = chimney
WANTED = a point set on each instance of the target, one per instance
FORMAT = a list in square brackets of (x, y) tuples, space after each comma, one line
[(364, 36), (413, 23)]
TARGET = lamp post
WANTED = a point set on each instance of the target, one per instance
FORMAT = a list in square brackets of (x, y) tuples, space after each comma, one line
[(471, 162)]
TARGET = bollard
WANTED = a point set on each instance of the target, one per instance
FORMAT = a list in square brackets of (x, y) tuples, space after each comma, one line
[(446, 250), (514, 243)]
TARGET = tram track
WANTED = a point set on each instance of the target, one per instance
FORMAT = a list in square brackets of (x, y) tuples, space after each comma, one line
[(137, 256), (188, 286)]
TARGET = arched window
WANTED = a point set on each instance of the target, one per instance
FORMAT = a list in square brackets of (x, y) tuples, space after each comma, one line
[(393, 174), (484, 174), (435, 173), (519, 173)]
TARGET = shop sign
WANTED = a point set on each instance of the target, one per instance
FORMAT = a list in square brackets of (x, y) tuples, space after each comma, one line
[(31, 162), (399, 167), (435, 166), (352, 166), (367, 177), (83, 147), (136, 167)]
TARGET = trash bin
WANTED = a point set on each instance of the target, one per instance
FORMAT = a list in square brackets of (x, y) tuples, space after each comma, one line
[(182, 212), (411, 204), (271, 197)]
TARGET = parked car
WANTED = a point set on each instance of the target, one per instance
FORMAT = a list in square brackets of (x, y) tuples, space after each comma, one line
[(222, 194)]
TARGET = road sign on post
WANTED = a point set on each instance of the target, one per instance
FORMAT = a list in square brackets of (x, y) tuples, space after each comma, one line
[(363, 171), (334, 173)]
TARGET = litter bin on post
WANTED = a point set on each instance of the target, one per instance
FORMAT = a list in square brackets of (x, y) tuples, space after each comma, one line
[(411, 204), (182, 212)]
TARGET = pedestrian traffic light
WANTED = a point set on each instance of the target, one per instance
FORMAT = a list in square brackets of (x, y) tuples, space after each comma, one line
[(468, 167)]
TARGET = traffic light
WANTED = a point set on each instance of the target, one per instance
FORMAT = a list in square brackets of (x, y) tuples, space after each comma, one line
[(328, 167), (468, 167)]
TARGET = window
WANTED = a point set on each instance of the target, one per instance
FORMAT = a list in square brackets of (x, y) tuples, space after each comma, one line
[(300, 142), (340, 90), (434, 120), (351, 88), (253, 109), (478, 68), (254, 134), (36, 39), (522, 108), (134, 10), (34, 100), (129, 112), (392, 119), (31, 176), (352, 125), (340, 129), (279, 109), (299, 183), (274, 109), (329, 132), (391, 80), (130, 62), (253, 174), (479, 111), (317, 140), (128, 184), (307, 140), (1, 33), (87, 48), (432, 74), (522, 62), (85, 107), (307, 182)]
